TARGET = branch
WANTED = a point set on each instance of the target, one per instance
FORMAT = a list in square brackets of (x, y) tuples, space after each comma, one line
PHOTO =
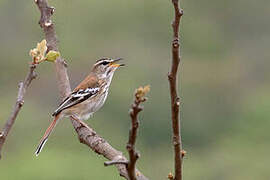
[(114, 162), (90, 138), (132, 173), (18, 105), (86, 134), (175, 100), (134, 111)]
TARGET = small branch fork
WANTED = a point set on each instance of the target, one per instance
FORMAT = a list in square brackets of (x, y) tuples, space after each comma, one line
[(175, 100), (100, 146), (18, 105), (86, 134)]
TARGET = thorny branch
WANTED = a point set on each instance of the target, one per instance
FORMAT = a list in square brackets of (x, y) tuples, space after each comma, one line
[(18, 105), (175, 100), (86, 134)]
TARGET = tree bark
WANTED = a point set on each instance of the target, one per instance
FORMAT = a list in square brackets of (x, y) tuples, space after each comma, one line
[(175, 100)]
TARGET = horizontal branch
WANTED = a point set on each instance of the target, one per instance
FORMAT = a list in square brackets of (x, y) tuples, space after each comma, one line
[(18, 105)]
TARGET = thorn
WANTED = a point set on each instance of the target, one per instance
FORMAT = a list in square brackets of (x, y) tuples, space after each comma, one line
[(21, 102), (177, 101), (181, 12), (170, 77), (183, 153), (48, 23), (65, 63), (52, 9), (175, 43), (137, 155), (176, 140)]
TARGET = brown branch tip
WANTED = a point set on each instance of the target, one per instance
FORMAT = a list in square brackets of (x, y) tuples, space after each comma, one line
[(141, 92), (170, 176), (134, 111)]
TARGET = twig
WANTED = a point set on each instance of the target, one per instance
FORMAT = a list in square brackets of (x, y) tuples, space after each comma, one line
[(134, 111), (175, 100), (132, 173), (18, 105), (114, 162), (86, 134)]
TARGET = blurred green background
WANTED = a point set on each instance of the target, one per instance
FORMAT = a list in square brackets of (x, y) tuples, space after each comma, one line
[(224, 77)]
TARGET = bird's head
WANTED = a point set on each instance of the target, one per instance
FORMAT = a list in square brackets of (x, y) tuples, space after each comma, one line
[(105, 67)]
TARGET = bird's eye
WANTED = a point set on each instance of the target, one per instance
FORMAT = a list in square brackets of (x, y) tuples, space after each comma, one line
[(105, 63)]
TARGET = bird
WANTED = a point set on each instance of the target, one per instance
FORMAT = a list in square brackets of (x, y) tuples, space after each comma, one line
[(87, 98)]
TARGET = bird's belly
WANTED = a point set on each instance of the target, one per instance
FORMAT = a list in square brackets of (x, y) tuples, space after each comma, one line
[(91, 106)]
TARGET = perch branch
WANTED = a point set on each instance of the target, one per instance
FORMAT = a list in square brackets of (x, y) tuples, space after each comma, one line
[(18, 105), (86, 134), (175, 100)]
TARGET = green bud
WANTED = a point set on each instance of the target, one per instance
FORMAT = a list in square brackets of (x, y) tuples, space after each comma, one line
[(52, 56)]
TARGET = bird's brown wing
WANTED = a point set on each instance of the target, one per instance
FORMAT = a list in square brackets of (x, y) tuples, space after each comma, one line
[(90, 81), (75, 98), (86, 89)]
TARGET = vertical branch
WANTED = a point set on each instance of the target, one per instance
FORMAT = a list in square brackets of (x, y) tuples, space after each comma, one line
[(18, 105), (175, 100), (133, 154), (134, 111), (60, 65), (136, 107)]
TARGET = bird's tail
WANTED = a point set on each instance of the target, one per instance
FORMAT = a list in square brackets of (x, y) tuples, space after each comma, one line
[(47, 134)]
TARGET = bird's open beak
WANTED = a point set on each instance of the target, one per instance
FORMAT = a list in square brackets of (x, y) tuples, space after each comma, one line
[(115, 64)]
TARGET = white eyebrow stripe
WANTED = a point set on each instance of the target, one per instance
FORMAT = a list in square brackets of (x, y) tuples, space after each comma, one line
[(104, 60)]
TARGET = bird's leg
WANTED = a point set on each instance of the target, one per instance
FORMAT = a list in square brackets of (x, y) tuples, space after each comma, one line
[(79, 121)]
